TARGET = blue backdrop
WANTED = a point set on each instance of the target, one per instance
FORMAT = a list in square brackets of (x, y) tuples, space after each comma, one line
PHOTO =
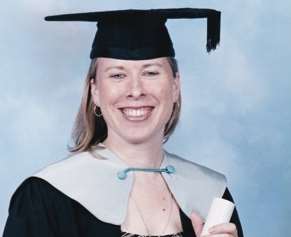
[(236, 113)]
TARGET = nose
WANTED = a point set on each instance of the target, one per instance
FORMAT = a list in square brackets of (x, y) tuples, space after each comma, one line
[(136, 88)]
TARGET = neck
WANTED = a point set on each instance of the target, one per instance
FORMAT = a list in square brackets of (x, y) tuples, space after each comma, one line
[(143, 155)]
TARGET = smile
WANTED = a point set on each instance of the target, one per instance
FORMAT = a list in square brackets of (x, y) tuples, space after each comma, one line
[(137, 114)]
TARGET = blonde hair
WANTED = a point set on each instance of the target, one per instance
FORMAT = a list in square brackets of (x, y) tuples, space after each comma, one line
[(89, 129)]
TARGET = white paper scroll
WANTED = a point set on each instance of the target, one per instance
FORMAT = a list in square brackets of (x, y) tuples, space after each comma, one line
[(220, 212)]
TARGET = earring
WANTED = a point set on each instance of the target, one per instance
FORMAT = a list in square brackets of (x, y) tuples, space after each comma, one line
[(96, 112)]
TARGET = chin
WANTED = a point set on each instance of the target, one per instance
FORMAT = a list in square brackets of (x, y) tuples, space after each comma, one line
[(139, 136), (138, 139)]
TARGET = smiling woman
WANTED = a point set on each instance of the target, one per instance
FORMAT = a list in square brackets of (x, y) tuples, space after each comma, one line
[(90, 130), (119, 180)]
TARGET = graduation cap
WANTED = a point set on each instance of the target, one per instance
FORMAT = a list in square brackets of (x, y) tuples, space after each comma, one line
[(140, 34)]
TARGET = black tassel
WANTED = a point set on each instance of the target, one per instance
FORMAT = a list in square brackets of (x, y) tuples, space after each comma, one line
[(213, 31)]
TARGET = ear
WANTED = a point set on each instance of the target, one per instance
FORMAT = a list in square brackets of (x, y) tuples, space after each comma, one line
[(176, 87), (94, 91)]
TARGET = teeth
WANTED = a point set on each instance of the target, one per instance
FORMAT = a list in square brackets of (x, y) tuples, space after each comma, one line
[(136, 112)]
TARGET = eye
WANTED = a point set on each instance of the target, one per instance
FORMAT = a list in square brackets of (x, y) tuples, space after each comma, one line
[(151, 73), (117, 76)]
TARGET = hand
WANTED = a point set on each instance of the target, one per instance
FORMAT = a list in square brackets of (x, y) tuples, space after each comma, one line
[(221, 230)]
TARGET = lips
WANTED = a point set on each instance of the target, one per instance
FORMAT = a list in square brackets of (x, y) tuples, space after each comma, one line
[(136, 113)]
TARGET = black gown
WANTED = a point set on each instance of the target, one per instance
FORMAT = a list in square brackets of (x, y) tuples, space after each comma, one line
[(37, 209)]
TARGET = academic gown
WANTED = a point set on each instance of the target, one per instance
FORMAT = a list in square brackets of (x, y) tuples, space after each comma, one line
[(41, 207)]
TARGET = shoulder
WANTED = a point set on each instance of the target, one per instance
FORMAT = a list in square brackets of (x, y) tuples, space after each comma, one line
[(188, 168), (32, 195), (37, 193)]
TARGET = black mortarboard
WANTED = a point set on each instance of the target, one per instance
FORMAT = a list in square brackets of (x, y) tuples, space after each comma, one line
[(140, 34)]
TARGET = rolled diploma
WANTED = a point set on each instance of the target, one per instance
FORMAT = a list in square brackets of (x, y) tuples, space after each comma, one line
[(220, 212)]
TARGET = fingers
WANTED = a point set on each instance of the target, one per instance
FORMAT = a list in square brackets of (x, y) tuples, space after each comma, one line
[(223, 230), (197, 223), (218, 235)]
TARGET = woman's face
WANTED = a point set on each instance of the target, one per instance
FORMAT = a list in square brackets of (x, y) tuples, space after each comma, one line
[(136, 97)]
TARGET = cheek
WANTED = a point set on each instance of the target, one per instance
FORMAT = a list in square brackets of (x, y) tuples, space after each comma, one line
[(166, 94), (108, 93)]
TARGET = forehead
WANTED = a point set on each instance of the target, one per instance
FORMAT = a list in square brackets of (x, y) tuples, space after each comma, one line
[(112, 62)]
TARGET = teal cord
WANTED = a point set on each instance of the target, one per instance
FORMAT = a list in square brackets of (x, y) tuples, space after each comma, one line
[(168, 169)]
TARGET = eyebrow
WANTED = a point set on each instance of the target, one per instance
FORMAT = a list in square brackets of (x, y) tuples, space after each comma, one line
[(114, 67), (152, 64), (143, 66)]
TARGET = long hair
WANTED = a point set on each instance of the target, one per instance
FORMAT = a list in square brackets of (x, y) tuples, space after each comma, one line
[(89, 129)]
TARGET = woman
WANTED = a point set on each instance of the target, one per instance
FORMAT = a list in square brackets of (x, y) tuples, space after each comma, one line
[(119, 180)]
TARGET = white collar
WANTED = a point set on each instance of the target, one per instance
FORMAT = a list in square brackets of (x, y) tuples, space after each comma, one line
[(94, 184)]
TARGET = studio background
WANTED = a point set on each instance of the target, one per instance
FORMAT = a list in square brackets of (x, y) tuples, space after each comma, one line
[(236, 113)]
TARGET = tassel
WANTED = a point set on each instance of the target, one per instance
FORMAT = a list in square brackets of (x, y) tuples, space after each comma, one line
[(213, 31)]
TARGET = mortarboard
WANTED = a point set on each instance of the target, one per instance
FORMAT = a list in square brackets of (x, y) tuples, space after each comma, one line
[(140, 34)]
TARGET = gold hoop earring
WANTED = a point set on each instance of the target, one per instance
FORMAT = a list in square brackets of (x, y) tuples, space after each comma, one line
[(96, 112)]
